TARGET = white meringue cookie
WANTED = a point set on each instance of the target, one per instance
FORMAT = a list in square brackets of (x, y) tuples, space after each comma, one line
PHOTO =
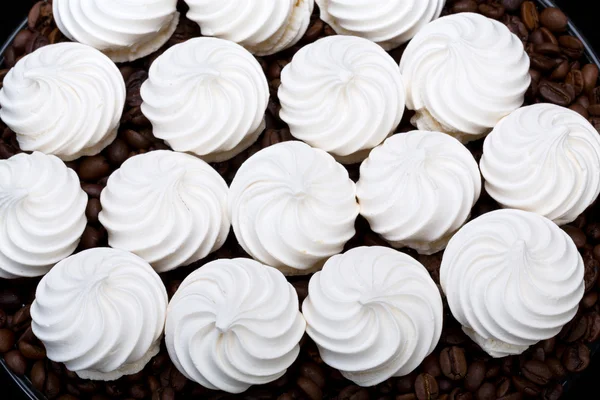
[(292, 207), (342, 94), (264, 27), (168, 208), (543, 158), (389, 23), (64, 99), (456, 70), (234, 323), (374, 313), (512, 278), (418, 188), (221, 79), (101, 312), (123, 30), (42, 214)]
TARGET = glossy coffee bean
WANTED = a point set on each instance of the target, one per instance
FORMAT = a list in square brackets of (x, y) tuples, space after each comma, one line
[(426, 387), (93, 168), (576, 357), (487, 391), (453, 362), (475, 375), (529, 15), (554, 19), (537, 372), (16, 362), (7, 340)]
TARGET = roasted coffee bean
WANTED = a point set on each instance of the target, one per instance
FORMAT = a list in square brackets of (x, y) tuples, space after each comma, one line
[(554, 19), (576, 234), (405, 383), (590, 275), (593, 230), (502, 386), (453, 336), (561, 71), (571, 46), (541, 62), (511, 5), (31, 351), (426, 387), (92, 210), (575, 78), (548, 49), (134, 116), (93, 190), (492, 10), (16, 362), (136, 140), (310, 388), (537, 372), (590, 76), (167, 394), (40, 14), (493, 371), (52, 386), (314, 373), (516, 26), (6, 151), (547, 36), (22, 39), (91, 237), (525, 386), (138, 392), (548, 345), (72, 389), (353, 392), (93, 168), (38, 375), (445, 385), (134, 83), (593, 327), (581, 110), (589, 300), (177, 380), (529, 15), (38, 41), (574, 330), (7, 340), (21, 319), (459, 394), (557, 93), (475, 375), (431, 365), (464, 6), (275, 68), (553, 392), (487, 391), (117, 152), (594, 110), (453, 362), (576, 357), (314, 31)]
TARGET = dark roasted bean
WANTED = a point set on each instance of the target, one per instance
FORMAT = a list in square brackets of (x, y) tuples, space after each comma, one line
[(31, 351), (529, 15), (431, 365), (134, 83), (21, 319), (575, 78), (511, 5), (487, 391), (593, 327), (590, 76), (92, 237), (576, 234), (571, 46), (475, 375), (525, 386), (492, 10), (553, 392), (464, 6), (93, 168), (576, 357), (453, 362), (557, 93), (136, 140), (502, 386), (52, 386), (426, 387), (537, 372), (38, 375), (406, 383), (554, 19), (353, 392), (581, 110), (16, 362), (561, 71), (7, 340)]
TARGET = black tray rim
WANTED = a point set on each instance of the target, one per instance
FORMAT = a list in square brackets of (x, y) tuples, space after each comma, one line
[(24, 384)]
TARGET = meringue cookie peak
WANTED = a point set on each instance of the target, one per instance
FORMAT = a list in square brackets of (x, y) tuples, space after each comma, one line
[(77, 96), (101, 312), (123, 30), (389, 23), (234, 323), (374, 313), (543, 158), (264, 27), (342, 94), (168, 208), (456, 74), (292, 207), (418, 188), (512, 278), (42, 214), (216, 76)]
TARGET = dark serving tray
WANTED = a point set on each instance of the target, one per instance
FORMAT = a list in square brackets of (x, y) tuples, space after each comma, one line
[(23, 385)]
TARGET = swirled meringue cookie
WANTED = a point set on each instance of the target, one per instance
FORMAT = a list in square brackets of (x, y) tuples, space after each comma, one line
[(374, 313), (168, 208), (64, 99), (543, 158), (264, 27), (101, 312), (418, 188), (456, 73), (342, 94), (123, 30), (389, 23), (292, 207), (512, 278), (42, 214), (218, 77), (234, 323)]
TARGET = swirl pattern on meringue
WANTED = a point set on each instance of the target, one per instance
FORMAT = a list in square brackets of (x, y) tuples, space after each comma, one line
[(512, 278), (418, 188), (63, 99), (42, 214), (101, 312), (456, 73), (342, 94), (218, 77), (234, 323), (388, 23), (264, 27), (292, 207), (545, 159), (374, 313), (168, 208), (123, 30)]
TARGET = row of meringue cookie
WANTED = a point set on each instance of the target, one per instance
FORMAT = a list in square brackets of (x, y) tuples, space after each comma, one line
[(234, 323), (263, 27)]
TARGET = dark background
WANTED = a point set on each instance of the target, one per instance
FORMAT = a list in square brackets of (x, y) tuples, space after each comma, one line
[(580, 12)]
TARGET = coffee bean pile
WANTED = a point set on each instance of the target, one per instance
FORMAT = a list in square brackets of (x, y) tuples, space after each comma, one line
[(457, 369)]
